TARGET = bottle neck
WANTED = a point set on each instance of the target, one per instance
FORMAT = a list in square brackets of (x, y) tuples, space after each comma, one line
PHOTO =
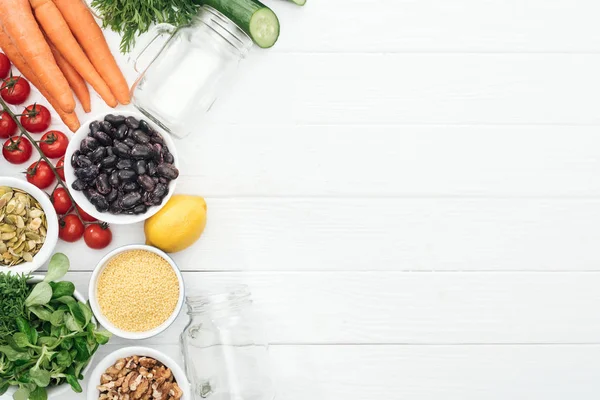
[(232, 299)]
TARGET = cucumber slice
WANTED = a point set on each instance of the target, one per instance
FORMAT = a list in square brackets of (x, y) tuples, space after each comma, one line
[(253, 17), (299, 2)]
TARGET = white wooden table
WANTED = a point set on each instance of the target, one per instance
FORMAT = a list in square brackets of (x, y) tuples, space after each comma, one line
[(412, 191)]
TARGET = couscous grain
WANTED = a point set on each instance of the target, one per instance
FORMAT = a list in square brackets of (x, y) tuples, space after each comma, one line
[(137, 290)]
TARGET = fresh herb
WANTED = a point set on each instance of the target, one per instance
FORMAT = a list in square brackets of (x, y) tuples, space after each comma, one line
[(13, 292), (52, 338), (131, 18)]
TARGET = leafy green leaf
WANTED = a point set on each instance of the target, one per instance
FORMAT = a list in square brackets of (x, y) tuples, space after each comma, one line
[(67, 344), (63, 358), (71, 323), (21, 340), (39, 394), (57, 268), (86, 312), (3, 386), (57, 318), (77, 313), (41, 312), (65, 300), (48, 341), (102, 337), (14, 355), (83, 354), (40, 377), (21, 394), (72, 380), (60, 289), (40, 295)]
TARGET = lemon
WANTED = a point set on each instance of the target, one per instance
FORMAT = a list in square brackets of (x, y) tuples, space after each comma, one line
[(178, 224)]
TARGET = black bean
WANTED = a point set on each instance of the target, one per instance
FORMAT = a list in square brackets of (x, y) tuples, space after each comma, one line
[(87, 174), (129, 187), (157, 139), (121, 149), (124, 163), (168, 171), (147, 199), (88, 145), (79, 185), (168, 157), (115, 207), (156, 179), (144, 126), (146, 183), (112, 195), (115, 120), (140, 209), (76, 153), (94, 127), (100, 203), (109, 152), (129, 142), (103, 138), (114, 179), (140, 136), (140, 167), (132, 122), (98, 155), (151, 167), (157, 152), (126, 175), (83, 161), (159, 192), (164, 180), (130, 200), (140, 151), (90, 193), (102, 184), (109, 162), (105, 126), (121, 132)]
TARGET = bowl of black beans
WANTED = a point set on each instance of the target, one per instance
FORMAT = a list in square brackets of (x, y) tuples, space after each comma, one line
[(121, 168)]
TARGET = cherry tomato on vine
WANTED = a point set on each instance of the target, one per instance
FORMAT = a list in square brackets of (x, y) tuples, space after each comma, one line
[(60, 168), (61, 200), (97, 236), (40, 174), (4, 66), (85, 216), (8, 127), (15, 90), (70, 228), (17, 150), (36, 118), (54, 144)]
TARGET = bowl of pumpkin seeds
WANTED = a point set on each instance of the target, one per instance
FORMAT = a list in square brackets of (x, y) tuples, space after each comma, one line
[(28, 226)]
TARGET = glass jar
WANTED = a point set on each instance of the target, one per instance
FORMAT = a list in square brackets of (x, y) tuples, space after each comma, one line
[(184, 79), (225, 353)]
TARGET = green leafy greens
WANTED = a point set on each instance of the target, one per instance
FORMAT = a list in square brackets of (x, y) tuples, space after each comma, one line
[(50, 338), (133, 17)]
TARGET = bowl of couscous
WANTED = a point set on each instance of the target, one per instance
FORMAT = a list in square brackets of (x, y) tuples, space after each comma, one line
[(136, 291)]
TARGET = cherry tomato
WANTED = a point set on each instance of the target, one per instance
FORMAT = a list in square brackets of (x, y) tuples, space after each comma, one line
[(85, 216), (97, 236), (17, 150), (15, 90), (54, 144), (36, 118), (70, 228), (60, 168), (4, 66), (40, 174), (61, 200), (8, 127)]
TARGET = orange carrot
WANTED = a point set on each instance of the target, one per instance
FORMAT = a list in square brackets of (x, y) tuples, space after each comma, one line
[(21, 26), (75, 80), (90, 37), (57, 30), (70, 119)]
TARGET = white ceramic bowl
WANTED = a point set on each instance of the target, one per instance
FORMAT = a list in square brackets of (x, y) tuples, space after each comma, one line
[(52, 232), (82, 201), (94, 378), (54, 391), (96, 307)]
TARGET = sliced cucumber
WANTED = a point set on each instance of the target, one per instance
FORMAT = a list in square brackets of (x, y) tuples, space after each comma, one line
[(253, 17), (299, 2)]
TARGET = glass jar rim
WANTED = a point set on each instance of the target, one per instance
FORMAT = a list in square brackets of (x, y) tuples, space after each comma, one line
[(225, 28), (230, 296)]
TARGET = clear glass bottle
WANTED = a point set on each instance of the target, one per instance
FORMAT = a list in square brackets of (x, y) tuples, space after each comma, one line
[(184, 79), (225, 353)]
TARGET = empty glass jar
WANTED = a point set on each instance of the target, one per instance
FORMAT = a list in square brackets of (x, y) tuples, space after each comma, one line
[(184, 79), (225, 353)]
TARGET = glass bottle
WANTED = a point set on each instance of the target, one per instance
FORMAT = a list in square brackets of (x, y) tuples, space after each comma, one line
[(225, 353), (184, 79)]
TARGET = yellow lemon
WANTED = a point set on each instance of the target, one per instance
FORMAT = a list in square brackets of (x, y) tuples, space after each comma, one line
[(178, 224)]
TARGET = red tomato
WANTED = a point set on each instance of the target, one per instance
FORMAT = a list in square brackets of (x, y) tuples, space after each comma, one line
[(60, 168), (8, 127), (61, 200), (40, 174), (4, 66), (70, 228), (15, 90), (17, 150), (36, 118), (97, 236), (85, 216), (54, 144)]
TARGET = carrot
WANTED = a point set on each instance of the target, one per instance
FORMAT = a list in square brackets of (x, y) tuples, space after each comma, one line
[(90, 37), (70, 119), (75, 80), (21, 26), (57, 30)]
